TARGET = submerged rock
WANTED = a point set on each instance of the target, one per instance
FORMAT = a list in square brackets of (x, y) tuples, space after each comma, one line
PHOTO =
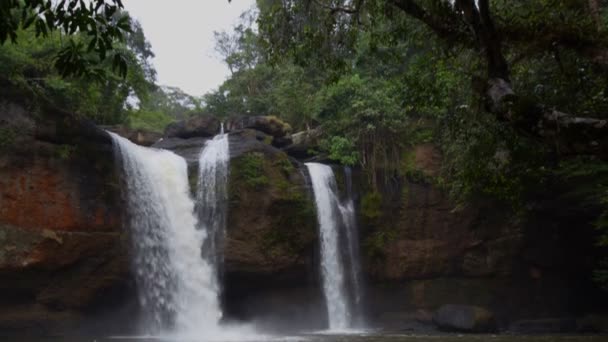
[(464, 318)]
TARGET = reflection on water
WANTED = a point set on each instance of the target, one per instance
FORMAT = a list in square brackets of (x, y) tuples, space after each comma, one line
[(337, 338)]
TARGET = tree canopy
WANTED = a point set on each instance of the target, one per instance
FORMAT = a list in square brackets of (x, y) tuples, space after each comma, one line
[(97, 20), (513, 93)]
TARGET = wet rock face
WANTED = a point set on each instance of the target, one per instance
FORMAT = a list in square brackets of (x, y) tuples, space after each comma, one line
[(271, 225), (271, 234), (58, 192), (464, 318), (416, 232), (430, 239), (422, 251), (62, 247)]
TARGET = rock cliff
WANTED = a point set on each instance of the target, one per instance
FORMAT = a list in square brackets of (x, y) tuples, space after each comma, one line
[(64, 253), (62, 246)]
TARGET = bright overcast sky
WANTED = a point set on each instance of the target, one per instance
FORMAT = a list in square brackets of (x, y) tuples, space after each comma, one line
[(181, 34)]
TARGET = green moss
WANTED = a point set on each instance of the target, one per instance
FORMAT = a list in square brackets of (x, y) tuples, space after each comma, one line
[(371, 206), (421, 135), (375, 244), (193, 180), (278, 122), (290, 212), (409, 170), (408, 162), (284, 165), (7, 137), (293, 222), (249, 170), (340, 180), (65, 151)]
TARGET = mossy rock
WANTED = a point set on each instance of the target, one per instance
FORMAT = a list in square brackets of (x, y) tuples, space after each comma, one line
[(249, 171), (272, 222)]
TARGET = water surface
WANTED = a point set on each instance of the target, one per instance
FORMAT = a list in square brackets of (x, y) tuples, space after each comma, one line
[(338, 338)]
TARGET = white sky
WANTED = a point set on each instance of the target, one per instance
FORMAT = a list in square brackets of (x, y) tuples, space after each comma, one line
[(181, 34)]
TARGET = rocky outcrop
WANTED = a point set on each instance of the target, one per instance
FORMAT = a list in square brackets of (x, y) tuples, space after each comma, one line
[(136, 136), (62, 248), (269, 252), (417, 232), (271, 227), (464, 318), (421, 247), (304, 144), (197, 126), (270, 125), (64, 254)]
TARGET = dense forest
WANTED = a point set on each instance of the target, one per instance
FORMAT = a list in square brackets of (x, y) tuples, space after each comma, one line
[(514, 93)]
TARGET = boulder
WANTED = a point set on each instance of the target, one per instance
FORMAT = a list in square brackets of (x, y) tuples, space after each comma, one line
[(136, 136), (189, 149), (269, 253), (264, 180), (465, 318), (198, 126), (270, 125), (304, 143)]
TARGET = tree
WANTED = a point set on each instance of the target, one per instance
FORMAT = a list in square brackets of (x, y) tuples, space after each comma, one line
[(491, 31), (96, 20), (30, 67)]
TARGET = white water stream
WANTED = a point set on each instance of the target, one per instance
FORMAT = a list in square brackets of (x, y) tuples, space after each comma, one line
[(178, 289), (332, 265), (212, 196)]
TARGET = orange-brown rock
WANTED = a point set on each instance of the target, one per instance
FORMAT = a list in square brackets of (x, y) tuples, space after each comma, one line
[(45, 192), (62, 246)]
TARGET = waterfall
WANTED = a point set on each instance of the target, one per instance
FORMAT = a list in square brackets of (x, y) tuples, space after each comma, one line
[(177, 288), (347, 210), (332, 215), (212, 197)]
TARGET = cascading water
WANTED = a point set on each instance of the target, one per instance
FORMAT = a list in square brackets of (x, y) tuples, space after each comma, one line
[(332, 215), (347, 210), (212, 196), (178, 290)]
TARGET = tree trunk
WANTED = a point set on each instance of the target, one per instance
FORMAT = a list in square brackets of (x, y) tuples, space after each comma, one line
[(574, 135)]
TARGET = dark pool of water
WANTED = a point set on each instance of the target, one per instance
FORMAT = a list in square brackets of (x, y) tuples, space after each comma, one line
[(333, 338)]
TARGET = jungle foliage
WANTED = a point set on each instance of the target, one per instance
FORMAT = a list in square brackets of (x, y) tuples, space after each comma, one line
[(514, 93), (96, 89)]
